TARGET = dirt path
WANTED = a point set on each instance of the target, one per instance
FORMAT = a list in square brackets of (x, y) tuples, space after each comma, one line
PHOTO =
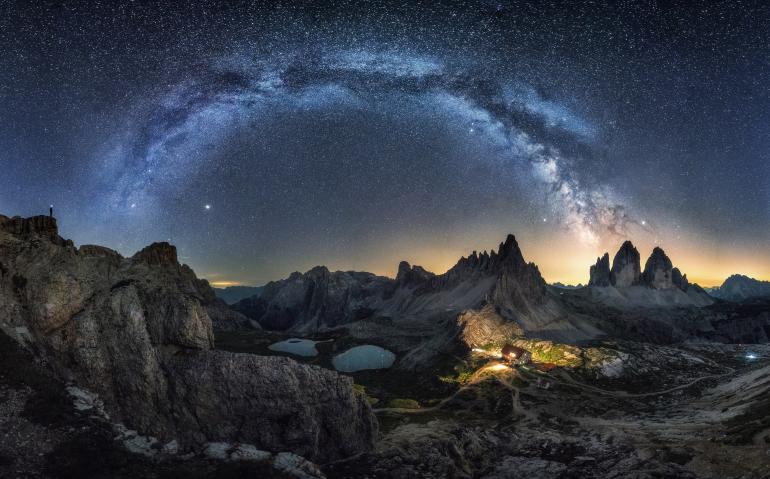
[(518, 408), (625, 394)]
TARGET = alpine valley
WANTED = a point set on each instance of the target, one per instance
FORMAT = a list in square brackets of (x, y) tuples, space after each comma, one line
[(119, 366)]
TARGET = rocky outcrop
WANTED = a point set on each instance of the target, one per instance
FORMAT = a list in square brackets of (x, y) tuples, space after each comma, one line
[(412, 275), (679, 280), (44, 226), (485, 327), (600, 272), (658, 270), (138, 332), (519, 284), (626, 267)]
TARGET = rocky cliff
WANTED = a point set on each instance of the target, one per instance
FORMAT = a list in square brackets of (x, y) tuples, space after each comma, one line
[(626, 269), (658, 273), (138, 332), (658, 270), (600, 272)]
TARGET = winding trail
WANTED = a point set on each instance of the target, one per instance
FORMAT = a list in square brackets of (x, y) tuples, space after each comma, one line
[(625, 394), (495, 371)]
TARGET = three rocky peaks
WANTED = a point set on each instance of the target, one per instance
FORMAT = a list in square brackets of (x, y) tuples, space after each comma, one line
[(626, 271)]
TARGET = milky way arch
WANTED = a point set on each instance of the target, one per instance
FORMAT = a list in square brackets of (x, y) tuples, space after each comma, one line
[(176, 132)]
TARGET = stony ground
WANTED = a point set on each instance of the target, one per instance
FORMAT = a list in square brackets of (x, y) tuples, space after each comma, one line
[(669, 415), (43, 436), (690, 410), (695, 410)]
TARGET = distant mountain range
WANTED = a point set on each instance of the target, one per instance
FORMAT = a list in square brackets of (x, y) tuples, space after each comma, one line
[(741, 288), (499, 293), (321, 298), (233, 294)]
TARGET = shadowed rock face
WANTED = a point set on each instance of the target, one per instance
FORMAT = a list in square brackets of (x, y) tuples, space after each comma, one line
[(739, 288), (600, 272), (138, 332), (658, 273), (519, 284), (34, 226), (626, 269), (658, 270), (412, 275)]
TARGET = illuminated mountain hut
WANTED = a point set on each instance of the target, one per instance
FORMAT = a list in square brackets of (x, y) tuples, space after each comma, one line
[(516, 355)]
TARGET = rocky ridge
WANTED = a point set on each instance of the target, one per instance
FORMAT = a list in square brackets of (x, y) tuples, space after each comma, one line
[(741, 288), (320, 299), (138, 332)]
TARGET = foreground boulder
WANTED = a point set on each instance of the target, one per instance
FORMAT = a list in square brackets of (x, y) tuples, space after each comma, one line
[(138, 332)]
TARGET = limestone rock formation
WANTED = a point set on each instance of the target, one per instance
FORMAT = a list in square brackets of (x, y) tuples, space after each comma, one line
[(483, 327), (679, 280), (600, 272), (36, 225), (138, 332), (519, 284), (626, 267), (412, 275), (658, 270)]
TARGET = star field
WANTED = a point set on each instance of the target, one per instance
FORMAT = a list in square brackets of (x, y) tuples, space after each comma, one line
[(267, 137)]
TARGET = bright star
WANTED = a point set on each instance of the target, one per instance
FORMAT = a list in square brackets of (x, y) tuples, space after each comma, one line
[(208, 207)]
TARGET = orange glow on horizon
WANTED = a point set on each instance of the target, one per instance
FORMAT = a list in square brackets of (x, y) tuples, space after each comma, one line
[(225, 284), (559, 257)]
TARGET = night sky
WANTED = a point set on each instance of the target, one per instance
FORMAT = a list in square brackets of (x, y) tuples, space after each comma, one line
[(268, 137)]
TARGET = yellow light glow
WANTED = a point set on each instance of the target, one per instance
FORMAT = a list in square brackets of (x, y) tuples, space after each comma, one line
[(498, 367), (224, 284)]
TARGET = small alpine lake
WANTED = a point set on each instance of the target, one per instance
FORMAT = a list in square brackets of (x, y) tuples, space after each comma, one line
[(363, 357)]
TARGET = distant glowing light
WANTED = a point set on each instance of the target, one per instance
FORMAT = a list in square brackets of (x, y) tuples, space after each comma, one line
[(499, 367), (208, 207), (133, 205), (644, 223), (751, 356)]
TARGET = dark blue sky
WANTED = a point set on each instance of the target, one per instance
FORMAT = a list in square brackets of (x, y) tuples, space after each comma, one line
[(362, 133)]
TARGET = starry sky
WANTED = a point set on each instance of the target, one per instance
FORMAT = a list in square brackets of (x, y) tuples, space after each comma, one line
[(268, 137)]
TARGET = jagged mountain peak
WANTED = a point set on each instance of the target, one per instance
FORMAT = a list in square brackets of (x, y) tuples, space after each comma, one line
[(626, 266), (509, 250), (658, 272), (600, 272), (409, 275)]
